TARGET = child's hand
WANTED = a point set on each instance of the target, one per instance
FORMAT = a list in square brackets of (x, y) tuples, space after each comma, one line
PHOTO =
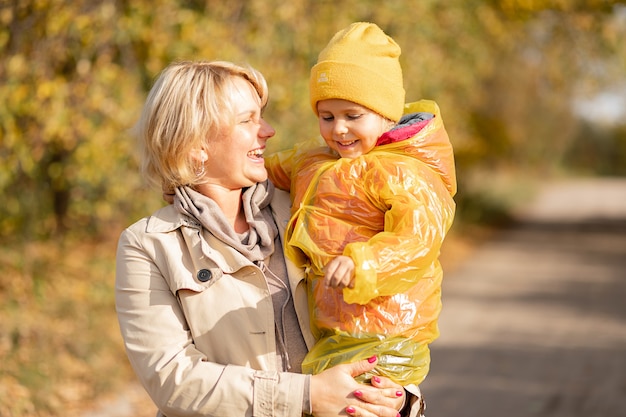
[(339, 273)]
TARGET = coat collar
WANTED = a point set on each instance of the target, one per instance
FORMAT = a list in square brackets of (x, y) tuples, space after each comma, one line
[(168, 219)]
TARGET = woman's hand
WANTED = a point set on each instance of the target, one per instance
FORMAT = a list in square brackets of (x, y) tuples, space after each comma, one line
[(389, 393), (334, 392)]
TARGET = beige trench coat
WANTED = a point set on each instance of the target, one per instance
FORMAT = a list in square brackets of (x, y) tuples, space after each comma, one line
[(197, 320)]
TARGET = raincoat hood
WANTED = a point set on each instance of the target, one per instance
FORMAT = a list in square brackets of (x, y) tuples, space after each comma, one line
[(423, 137)]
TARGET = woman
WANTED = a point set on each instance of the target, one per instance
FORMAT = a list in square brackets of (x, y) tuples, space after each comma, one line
[(213, 318)]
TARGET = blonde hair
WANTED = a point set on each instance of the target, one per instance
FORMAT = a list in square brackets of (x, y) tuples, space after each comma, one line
[(189, 104)]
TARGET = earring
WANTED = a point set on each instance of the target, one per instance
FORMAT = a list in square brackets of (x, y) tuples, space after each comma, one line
[(199, 171)]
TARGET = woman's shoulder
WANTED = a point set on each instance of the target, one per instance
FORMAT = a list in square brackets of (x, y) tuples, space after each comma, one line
[(163, 220)]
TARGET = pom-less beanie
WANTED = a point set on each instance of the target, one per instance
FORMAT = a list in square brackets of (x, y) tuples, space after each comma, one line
[(360, 64)]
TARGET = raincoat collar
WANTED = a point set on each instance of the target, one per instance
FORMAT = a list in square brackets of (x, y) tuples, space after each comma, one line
[(408, 126), (422, 135)]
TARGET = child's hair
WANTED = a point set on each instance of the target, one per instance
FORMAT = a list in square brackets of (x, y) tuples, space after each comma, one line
[(189, 104), (360, 64)]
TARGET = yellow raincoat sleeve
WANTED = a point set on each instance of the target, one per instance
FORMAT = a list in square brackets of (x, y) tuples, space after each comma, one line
[(419, 211), (279, 167), (282, 165)]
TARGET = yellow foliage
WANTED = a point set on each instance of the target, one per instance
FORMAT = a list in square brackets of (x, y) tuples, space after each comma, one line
[(74, 75), (59, 341)]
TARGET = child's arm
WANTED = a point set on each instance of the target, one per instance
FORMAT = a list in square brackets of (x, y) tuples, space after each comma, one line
[(281, 165), (419, 212)]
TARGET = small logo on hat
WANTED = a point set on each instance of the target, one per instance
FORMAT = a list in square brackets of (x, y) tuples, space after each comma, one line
[(322, 77)]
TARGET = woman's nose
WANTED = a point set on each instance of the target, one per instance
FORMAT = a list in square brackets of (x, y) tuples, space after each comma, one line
[(266, 130)]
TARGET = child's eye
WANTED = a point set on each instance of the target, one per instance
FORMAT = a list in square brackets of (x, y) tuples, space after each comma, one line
[(327, 118), (354, 116)]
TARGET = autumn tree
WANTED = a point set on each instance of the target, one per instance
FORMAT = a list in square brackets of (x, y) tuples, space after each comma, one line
[(73, 75)]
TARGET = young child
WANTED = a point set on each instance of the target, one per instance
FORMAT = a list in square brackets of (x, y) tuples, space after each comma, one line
[(370, 209)]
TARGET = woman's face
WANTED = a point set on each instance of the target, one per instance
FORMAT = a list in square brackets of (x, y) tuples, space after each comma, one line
[(235, 157), (349, 128)]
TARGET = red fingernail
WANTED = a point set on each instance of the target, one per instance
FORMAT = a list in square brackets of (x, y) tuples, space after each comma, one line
[(398, 415), (350, 409), (376, 379), (372, 359), (358, 393), (399, 393)]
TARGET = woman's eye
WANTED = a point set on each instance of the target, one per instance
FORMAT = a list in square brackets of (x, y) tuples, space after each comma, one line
[(327, 118), (250, 120)]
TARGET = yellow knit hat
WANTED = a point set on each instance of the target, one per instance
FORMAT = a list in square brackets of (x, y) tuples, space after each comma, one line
[(360, 64)]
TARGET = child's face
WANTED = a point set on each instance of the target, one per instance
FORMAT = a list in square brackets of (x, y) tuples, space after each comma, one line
[(349, 128)]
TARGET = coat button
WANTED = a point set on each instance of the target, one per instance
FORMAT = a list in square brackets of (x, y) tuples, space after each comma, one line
[(204, 275)]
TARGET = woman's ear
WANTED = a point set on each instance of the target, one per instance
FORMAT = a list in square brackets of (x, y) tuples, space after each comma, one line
[(199, 155)]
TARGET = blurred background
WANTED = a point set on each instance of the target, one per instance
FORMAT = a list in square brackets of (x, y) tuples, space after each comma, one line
[(530, 92)]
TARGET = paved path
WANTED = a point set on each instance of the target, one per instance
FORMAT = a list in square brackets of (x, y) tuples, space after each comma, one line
[(534, 322)]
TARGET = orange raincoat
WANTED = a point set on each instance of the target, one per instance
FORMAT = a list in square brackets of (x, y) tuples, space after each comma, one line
[(389, 210)]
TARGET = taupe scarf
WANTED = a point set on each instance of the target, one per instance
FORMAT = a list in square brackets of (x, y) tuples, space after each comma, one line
[(258, 243)]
